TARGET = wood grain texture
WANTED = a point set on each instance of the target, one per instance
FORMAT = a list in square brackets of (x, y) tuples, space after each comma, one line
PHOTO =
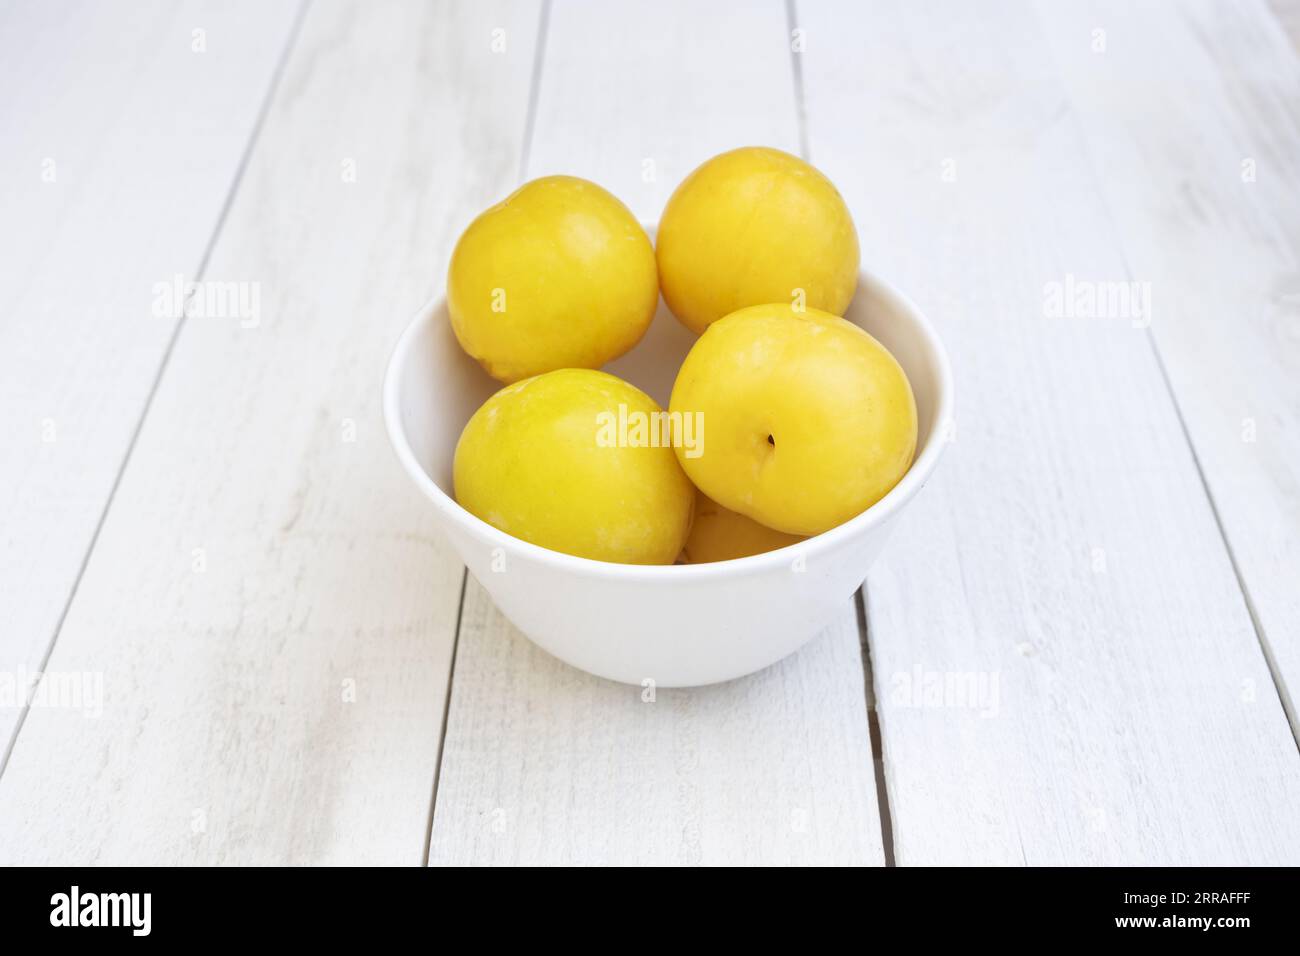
[(636, 96), (1288, 17), (1065, 666), (268, 604), (1207, 204), (119, 145), (543, 764)]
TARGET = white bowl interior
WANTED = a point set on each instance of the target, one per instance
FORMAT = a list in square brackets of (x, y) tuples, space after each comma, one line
[(440, 386)]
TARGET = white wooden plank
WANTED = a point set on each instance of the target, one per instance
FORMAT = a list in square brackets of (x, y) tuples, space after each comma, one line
[(1064, 561), (543, 764), (636, 96), (269, 604), (119, 144), (1207, 202)]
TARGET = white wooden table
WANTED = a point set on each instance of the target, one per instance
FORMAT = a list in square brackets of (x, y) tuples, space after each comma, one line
[(1082, 646)]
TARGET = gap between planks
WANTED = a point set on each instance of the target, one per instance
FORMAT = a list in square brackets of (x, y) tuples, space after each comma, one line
[(873, 728), (446, 713), (1270, 661)]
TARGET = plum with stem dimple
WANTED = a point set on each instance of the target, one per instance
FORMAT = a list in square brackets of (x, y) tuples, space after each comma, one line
[(808, 419)]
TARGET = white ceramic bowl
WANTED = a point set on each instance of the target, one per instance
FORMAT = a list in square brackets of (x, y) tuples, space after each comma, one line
[(677, 625)]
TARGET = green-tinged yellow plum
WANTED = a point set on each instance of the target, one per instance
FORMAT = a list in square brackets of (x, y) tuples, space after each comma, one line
[(540, 461)]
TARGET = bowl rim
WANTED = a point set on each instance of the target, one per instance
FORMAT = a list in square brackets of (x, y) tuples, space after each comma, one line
[(923, 464)]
